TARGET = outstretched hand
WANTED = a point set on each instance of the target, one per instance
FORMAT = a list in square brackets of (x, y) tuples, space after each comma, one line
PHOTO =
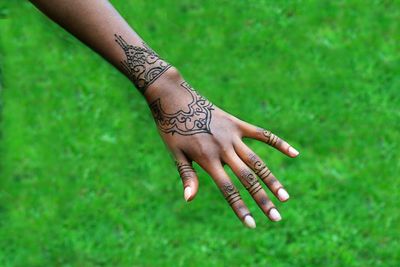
[(191, 126), (196, 130)]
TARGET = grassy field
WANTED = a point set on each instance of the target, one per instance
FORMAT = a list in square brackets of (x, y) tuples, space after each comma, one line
[(85, 179)]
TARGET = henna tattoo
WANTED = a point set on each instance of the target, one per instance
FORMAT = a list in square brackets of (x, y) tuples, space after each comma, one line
[(142, 64), (259, 168), (195, 120), (254, 186), (248, 176), (185, 170), (272, 139), (231, 193)]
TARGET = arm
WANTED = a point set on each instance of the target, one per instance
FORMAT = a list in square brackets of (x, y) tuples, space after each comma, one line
[(191, 126), (98, 25)]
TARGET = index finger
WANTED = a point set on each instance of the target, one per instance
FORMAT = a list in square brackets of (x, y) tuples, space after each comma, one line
[(268, 137)]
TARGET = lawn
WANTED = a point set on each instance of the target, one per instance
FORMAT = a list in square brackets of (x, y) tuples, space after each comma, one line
[(85, 180)]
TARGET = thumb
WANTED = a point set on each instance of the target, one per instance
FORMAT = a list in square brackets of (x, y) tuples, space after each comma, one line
[(188, 176)]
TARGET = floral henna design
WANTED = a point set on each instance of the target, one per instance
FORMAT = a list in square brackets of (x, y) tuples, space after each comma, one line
[(142, 64), (195, 120)]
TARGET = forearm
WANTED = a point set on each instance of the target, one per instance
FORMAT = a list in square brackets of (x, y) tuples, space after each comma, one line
[(97, 24), (192, 127)]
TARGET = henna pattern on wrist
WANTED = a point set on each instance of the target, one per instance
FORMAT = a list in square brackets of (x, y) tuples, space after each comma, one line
[(142, 64), (195, 120)]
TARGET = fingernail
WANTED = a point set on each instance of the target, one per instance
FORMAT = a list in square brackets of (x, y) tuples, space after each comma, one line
[(274, 215), (187, 192), (293, 152), (283, 195), (249, 221)]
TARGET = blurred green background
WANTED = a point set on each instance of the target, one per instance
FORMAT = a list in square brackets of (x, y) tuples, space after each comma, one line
[(87, 181)]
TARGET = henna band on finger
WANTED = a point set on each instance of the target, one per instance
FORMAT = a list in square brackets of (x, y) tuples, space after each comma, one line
[(232, 194), (254, 188), (264, 173), (185, 170), (261, 170), (259, 167), (233, 198), (272, 139)]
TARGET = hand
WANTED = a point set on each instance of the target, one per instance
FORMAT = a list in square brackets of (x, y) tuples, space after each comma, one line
[(196, 130)]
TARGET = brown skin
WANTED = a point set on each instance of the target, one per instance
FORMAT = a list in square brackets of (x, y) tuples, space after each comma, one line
[(223, 146), (96, 23)]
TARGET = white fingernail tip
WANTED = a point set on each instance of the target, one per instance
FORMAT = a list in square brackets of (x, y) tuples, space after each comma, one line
[(274, 215), (249, 221), (187, 193), (293, 151), (283, 195)]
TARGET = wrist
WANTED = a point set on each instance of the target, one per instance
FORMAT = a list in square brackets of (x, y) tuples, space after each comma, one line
[(166, 84)]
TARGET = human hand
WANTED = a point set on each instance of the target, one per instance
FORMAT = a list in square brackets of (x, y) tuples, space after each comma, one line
[(196, 130)]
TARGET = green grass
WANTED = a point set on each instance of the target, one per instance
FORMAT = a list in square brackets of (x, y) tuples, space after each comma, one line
[(85, 179)]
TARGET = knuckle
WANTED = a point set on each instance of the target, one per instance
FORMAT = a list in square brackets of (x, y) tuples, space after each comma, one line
[(225, 151), (202, 151)]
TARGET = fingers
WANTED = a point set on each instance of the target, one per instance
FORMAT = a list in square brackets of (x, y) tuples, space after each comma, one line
[(268, 137), (232, 196), (262, 171), (188, 176), (251, 183)]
